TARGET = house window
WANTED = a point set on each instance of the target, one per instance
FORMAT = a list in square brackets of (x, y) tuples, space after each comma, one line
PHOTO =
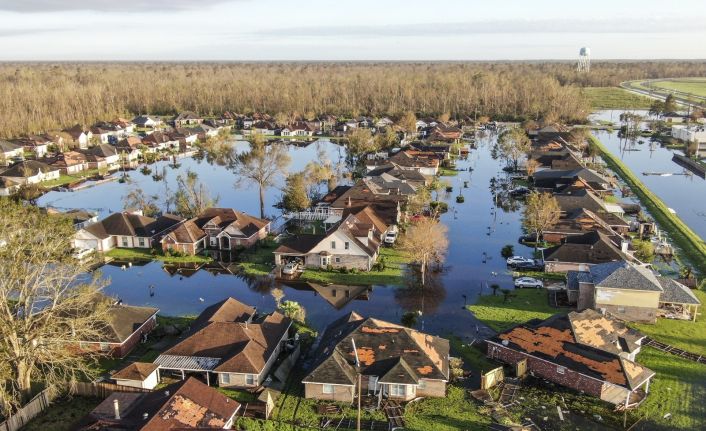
[(333, 293), (347, 245), (561, 370), (327, 389), (422, 384), (124, 241), (338, 260), (142, 242), (225, 378), (250, 379), (398, 390), (333, 245)]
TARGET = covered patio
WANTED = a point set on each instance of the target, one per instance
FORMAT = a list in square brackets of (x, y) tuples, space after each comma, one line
[(188, 364)]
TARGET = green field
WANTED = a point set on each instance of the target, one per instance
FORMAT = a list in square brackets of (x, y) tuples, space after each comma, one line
[(523, 305), (695, 86), (615, 98)]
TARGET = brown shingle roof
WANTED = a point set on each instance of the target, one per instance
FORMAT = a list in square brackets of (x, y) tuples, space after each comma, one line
[(225, 217), (135, 371)]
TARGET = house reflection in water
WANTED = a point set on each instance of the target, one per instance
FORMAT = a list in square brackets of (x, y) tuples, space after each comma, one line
[(337, 295)]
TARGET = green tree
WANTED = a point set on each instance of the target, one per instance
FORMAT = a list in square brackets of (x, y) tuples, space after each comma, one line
[(261, 165), (360, 141), (670, 104), (408, 123), (295, 196), (293, 310), (514, 144)]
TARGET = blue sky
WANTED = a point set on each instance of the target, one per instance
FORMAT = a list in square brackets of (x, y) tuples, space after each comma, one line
[(361, 30)]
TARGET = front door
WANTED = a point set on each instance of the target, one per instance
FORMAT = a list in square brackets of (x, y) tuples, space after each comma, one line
[(225, 243)]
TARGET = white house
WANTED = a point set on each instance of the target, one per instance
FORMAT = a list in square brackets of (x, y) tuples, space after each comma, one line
[(123, 230), (9, 151), (31, 172)]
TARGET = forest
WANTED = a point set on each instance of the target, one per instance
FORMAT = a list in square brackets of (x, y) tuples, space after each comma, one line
[(39, 97)]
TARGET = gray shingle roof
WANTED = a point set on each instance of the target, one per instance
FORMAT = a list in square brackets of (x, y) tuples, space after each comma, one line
[(630, 277), (676, 293)]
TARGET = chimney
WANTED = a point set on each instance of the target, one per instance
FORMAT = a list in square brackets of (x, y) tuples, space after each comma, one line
[(116, 408)]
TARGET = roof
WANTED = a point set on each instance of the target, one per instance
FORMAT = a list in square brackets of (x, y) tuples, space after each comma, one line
[(387, 350), (186, 233), (7, 147), (188, 404), (101, 150), (592, 248), (226, 217), (299, 244), (228, 337), (676, 293), (27, 168), (124, 320), (555, 340), (129, 224), (135, 371), (572, 199), (187, 115)]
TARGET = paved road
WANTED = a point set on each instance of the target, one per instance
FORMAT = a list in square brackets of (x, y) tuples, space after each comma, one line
[(652, 95)]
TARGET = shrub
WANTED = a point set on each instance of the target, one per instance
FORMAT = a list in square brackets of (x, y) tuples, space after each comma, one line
[(460, 199), (507, 251), (440, 207)]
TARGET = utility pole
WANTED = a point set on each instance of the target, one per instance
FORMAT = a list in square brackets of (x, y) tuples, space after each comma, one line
[(357, 369)]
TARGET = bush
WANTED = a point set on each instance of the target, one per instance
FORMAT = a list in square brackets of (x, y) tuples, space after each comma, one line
[(644, 250), (449, 189), (460, 199), (507, 251), (440, 207)]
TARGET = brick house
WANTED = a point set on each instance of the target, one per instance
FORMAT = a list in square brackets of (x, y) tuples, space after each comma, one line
[(231, 341), (394, 361), (583, 351), (229, 229), (350, 243), (127, 324), (186, 238)]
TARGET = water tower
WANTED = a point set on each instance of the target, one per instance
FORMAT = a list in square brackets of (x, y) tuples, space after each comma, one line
[(584, 60)]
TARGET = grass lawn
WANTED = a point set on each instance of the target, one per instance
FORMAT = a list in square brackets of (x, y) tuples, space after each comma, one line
[(695, 86), (146, 254), (395, 262), (473, 357), (615, 98), (258, 260), (455, 412), (526, 304), (447, 172), (65, 179), (62, 415)]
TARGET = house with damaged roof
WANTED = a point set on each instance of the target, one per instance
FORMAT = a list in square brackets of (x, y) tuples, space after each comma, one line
[(124, 230), (424, 162), (393, 361), (630, 292), (552, 180), (180, 406), (579, 252), (230, 341), (586, 351), (353, 242)]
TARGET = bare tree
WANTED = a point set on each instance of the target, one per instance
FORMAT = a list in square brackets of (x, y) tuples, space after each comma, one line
[(408, 123), (192, 196), (426, 242), (136, 199), (541, 212), (531, 166), (47, 305), (261, 165)]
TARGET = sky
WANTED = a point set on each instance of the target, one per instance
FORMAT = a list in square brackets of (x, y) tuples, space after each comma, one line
[(242, 30)]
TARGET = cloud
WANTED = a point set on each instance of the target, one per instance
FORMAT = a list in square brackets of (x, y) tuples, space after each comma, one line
[(626, 26), (10, 32), (39, 6)]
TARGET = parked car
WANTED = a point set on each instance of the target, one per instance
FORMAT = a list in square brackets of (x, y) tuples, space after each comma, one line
[(523, 282), (290, 268), (519, 191), (534, 265), (83, 253), (390, 238), (514, 260)]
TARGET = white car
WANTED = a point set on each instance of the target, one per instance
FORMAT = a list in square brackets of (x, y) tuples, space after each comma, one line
[(390, 238), (290, 268), (523, 282), (83, 253), (514, 260)]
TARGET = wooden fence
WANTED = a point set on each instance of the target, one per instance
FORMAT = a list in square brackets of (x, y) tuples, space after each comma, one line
[(30, 410), (102, 389)]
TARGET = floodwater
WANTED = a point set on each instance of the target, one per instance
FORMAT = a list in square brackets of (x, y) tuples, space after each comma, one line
[(685, 194), (475, 227)]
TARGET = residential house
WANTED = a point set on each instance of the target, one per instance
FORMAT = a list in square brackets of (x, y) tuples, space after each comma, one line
[(266, 128), (102, 156), (426, 163), (384, 122), (180, 406), (124, 230), (298, 128), (70, 162), (8, 186), (580, 178), (630, 292), (229, 229), (38, 145), (128, 149), (79, 218), (205, 131), (393, 361), (79, 136), (570, 200), (579, 252), (106, 133), (581, 221), (10, 152), (186, 238), (30, 172), (231, 341), (158, 140), (146, 121), (142, 375), (350, 243), (126, 326), (187, 118), (415, 178), (585, 351), (441, 132)]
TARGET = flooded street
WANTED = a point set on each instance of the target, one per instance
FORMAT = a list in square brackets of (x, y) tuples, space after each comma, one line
[(475, 228)]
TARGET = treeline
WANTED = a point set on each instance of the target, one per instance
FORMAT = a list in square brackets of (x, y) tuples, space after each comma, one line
[(40, 97)]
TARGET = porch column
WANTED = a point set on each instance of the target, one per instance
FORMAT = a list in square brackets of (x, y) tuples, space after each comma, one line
[(647, 387), (182, 375), (208, 380)]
